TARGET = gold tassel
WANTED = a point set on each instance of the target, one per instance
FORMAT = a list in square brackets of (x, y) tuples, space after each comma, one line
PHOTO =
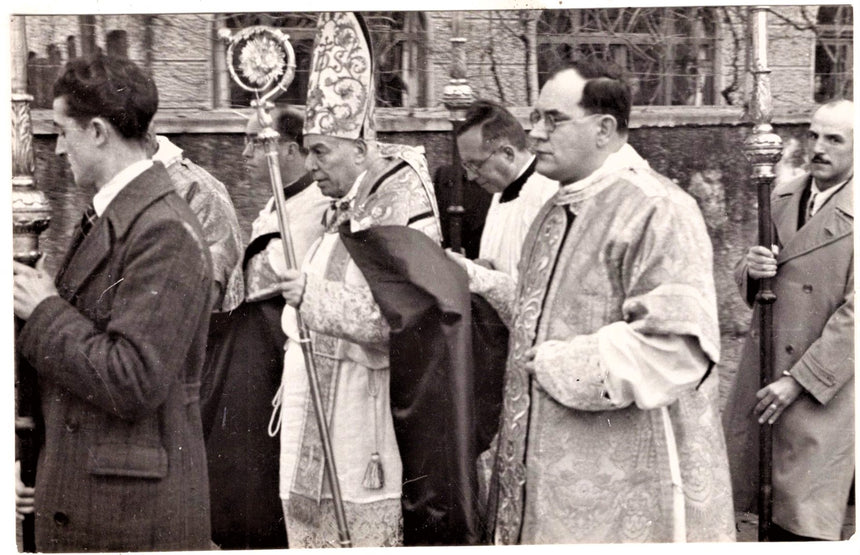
[(374, 476)]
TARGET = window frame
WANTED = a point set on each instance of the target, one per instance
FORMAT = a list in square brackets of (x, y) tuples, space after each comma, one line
[(623, 43)]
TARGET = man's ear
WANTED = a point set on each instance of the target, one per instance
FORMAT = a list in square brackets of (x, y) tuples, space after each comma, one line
[(359, 150), (607, 128), (508, 152), (100, 129)]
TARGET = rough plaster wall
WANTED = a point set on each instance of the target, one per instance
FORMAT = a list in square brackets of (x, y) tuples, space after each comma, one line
[(183, 45), (182, 54), (791, 54), (43, 30), (488, 39)]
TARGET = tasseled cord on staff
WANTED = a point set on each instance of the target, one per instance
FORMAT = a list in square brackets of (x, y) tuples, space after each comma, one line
[(374, 476)]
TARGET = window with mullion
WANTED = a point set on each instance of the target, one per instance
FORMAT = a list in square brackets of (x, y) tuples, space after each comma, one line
[(668, 54)]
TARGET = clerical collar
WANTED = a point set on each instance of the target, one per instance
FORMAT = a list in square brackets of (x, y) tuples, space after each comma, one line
[(512, 191), (298, 186)]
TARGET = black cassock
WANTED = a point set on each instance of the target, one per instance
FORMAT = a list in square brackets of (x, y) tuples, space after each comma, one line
[(245, 362)]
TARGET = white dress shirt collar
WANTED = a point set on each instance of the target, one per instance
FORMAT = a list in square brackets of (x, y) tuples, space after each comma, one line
[(820, 197), (117, 183)]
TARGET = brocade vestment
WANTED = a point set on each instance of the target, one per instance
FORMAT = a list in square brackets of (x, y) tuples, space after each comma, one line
[(350, 344), (211, 203), (616, 437)]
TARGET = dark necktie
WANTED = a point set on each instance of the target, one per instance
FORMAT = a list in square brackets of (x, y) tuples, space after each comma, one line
[(88, 219), (805, 211), (809, 206)]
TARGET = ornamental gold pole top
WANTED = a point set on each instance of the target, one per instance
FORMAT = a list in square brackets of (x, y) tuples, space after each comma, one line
[(31, 211), (260, 60)]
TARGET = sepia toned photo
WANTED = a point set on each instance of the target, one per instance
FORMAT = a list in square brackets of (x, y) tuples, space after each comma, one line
[(460, 276)]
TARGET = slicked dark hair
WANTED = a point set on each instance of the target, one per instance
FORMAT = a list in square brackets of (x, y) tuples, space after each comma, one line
[(289, 123), (112, 88), (495, 121), (606, 90)]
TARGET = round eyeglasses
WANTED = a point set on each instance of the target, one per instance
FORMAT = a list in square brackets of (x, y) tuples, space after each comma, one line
[(552, 120)]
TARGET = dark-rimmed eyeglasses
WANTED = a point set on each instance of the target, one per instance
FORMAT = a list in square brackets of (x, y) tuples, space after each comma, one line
[(551, 120), (475, 167)]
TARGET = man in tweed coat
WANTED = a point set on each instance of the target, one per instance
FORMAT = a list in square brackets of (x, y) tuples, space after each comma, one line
[(118, 338)]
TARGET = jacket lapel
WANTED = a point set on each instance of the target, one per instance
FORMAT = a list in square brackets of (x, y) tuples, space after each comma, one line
[(836, 220), (785, 203), (86, 255)]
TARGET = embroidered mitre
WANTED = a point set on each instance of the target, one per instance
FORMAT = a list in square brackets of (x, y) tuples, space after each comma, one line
[(341, 95)]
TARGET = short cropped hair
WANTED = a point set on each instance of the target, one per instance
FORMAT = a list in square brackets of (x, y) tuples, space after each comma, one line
[(112, 88), (496, 122), (289, 123), (606, 90)]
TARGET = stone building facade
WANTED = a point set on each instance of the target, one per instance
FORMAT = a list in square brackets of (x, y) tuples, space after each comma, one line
[(508, 52)]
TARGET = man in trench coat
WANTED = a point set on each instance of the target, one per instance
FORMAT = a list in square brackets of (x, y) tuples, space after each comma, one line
[(810, 403)]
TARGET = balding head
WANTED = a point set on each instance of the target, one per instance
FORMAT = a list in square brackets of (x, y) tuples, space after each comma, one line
[(830, 143), (841, 108)]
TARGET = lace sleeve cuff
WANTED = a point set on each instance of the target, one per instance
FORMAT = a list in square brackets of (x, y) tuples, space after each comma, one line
[(497, 287), (571, 373)]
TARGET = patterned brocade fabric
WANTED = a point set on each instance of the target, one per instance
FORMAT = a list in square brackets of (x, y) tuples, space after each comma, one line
[(404, 197), (346, 311), (264, 267), (261, 279), (211, 203), (627, 249), (340, 97), (498, 288), (377, 524), (578, 356), (535, 275), (350, 345)]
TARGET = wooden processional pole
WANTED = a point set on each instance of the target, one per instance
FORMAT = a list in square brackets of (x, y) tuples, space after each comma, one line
[(31, 215), (457, 97), (763, 148)]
